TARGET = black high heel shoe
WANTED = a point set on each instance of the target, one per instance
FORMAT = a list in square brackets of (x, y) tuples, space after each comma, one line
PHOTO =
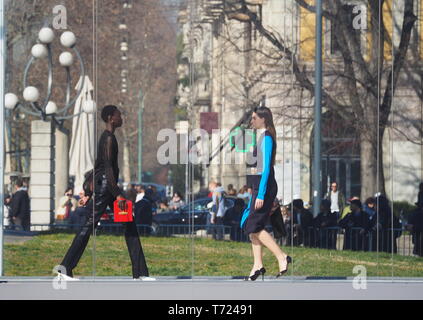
[(288, 261), (256, 274)]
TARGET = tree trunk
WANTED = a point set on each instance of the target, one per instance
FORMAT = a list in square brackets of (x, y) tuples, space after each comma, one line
[(372, 177), (126, 164)]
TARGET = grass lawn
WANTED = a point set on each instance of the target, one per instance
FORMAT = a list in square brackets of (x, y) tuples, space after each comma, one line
[(202, 257)]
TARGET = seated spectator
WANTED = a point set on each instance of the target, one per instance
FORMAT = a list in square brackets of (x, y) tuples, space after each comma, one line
[(347, 208), (155, 196), (67, 204), (286, 215), (356, 224), (144, 213), (163, 206), (276, 219), (415, 226), (244, 195), (140, 193), (176, 202), (131, 193), (370, 208), (325, 224), (388, 221), (232, 219), (250, 193), (302, 224), (81, 213), (231, 190)]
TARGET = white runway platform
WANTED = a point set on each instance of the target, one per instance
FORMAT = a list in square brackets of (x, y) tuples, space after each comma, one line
[(210, 288)]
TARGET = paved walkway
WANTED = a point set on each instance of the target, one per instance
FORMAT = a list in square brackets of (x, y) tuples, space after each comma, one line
[(13, 236), (208, 288)]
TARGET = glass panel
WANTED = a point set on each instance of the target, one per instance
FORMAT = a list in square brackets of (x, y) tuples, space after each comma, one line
[(187, 76), (403, 142), (49, 49), (137, 51)]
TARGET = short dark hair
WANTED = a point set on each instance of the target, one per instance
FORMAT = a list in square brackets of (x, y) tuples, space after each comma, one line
[(370, 200), (108, 111), (149, 193), (19, 182), (357, 203), (298, 203)]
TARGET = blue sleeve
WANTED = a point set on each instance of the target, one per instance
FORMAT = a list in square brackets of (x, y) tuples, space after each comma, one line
[(266, 148), (245, 213)]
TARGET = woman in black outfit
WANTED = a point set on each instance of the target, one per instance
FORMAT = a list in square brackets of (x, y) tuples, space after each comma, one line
[(257, 215), (106, 190)]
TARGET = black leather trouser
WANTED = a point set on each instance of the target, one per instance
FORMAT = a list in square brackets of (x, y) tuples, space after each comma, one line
[(102, 199)]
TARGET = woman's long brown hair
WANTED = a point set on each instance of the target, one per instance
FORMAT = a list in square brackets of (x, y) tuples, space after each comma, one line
[(266, 113)]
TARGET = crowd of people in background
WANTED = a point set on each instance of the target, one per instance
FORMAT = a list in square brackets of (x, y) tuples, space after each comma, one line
[(365, 226)]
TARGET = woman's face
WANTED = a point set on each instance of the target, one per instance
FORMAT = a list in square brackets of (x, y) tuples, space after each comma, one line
[(257, 122)]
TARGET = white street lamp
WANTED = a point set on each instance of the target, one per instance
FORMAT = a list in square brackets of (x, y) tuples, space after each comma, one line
[(10, 100), (39, 51), (51, 108), (46, 35), (89, 107), (31, 94), (68, 39), (66, 59)]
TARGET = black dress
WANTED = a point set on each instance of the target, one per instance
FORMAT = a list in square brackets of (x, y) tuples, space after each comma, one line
[(263, 184)]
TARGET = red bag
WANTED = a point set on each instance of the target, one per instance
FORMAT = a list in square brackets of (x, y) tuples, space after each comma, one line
[(124, 215)]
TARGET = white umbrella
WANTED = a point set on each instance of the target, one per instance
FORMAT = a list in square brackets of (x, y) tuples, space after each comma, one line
[(81, 154)]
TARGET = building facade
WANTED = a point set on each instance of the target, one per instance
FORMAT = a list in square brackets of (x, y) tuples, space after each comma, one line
[(233, 65)]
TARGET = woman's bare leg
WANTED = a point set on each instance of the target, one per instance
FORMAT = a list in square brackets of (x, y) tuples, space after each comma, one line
[(257, 248), (267, 240)]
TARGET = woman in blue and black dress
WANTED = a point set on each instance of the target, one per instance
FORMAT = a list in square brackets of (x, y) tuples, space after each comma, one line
[(262, 180)]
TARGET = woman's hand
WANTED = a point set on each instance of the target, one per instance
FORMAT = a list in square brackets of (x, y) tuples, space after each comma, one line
[(259, 204)]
